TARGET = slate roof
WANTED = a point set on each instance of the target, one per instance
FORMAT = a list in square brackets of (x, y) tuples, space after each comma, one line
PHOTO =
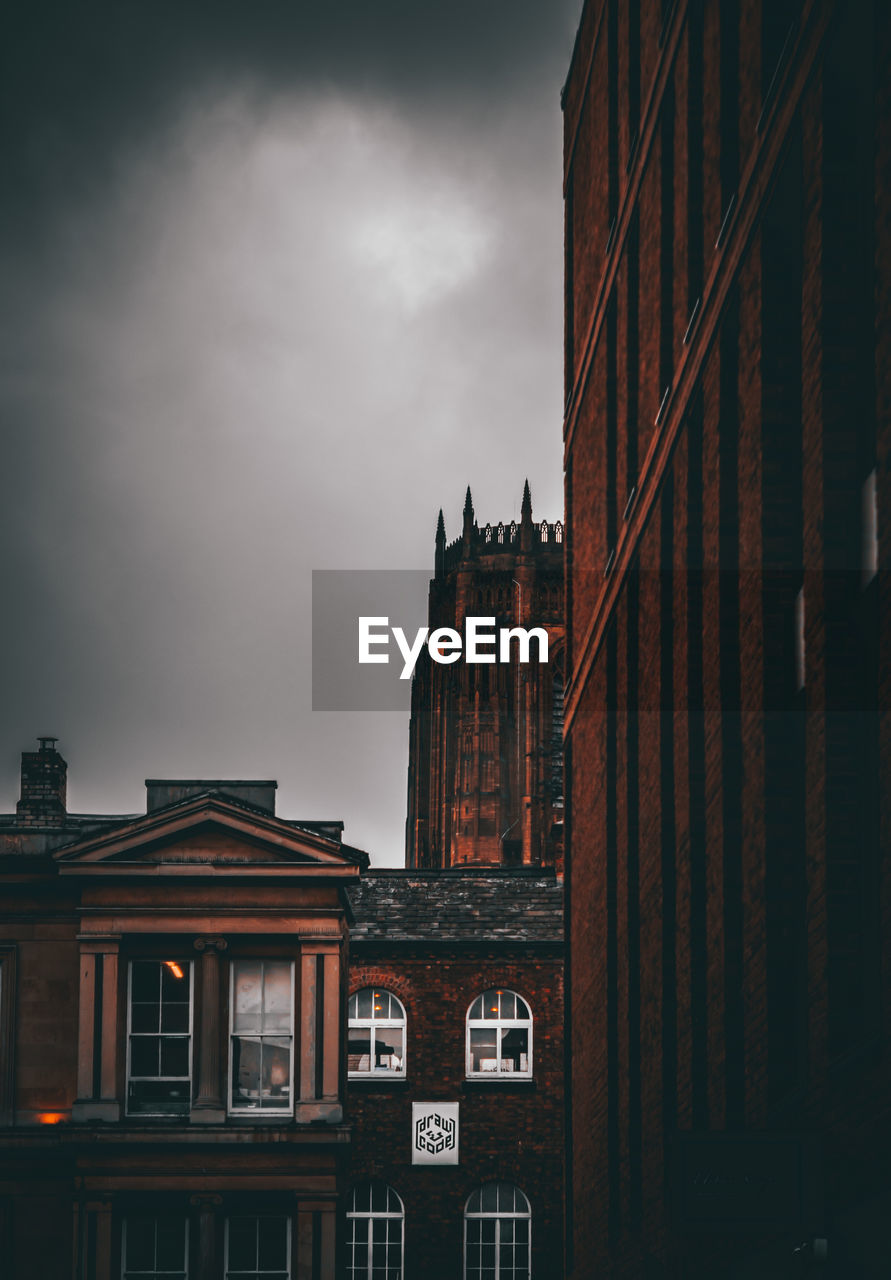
[(476, 905)]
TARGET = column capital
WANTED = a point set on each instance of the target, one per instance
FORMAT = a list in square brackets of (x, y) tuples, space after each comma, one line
[(210, 944)]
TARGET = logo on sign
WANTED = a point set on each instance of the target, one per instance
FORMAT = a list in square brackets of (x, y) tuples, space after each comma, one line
[(434, 1133)]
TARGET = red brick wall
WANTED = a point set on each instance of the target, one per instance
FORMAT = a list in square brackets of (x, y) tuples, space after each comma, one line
[(724, 961), (509, 1131)]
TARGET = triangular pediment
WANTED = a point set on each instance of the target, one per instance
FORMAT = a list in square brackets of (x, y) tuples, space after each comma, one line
[(207, 833)]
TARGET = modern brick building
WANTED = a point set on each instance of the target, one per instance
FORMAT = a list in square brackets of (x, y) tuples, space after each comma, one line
[(727, 712), (485, 773)]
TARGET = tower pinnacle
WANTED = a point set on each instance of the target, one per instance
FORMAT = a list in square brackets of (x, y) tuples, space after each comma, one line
[(440, 546)]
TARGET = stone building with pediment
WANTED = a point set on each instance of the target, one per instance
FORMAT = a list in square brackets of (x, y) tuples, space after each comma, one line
[(171, 1068), (229, 1050)]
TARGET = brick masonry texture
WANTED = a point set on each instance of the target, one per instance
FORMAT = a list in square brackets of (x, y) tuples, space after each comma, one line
[(509, 1130), (727, 473)]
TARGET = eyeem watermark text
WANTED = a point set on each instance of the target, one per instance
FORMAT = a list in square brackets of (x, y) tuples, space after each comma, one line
[(481, 642)]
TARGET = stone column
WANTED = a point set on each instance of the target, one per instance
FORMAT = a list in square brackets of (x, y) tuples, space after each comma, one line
[(97, 1072), (316, 1240), (208, 1206), (209, 1107), (319, 1054)]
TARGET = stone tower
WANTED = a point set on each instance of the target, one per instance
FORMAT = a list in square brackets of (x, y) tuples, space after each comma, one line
[(485, 772)]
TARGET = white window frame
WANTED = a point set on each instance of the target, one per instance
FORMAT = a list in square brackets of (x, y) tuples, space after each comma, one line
[(371, 1024), (270, 1113), (498, 1215), (137, 1275), (353, 1215), (274, 1271), (499, 1024), (173, 1036)]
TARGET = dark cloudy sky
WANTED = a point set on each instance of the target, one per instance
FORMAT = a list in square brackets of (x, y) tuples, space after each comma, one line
[(278, 280)]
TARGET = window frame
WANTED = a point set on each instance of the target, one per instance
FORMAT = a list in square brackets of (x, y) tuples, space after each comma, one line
[(154, 1275), (352, 1216), (371, 1024), (160, 1115), (497, 1216), (289, 1245), (499, 1024), (258, 1112)]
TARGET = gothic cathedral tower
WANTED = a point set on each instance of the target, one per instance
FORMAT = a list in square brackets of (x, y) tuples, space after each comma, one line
[(485, 771)]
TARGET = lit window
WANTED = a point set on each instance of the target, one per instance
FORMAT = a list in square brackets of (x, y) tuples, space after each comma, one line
[(159, 1038), (497, 1234), (374, 1234), (261, 1061), (499, 1035), (376, 1034), (153, 1248), (258, 1248)]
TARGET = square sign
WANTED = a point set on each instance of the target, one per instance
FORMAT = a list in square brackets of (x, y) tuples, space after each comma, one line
[(434, 1132)]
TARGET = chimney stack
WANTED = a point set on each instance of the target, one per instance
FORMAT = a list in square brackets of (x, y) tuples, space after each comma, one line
[(44, 787)]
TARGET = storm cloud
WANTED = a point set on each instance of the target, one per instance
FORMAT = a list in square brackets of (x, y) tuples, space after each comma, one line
[(278, 282)]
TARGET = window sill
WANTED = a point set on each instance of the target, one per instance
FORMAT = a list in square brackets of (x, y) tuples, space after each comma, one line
[(500, 1084)]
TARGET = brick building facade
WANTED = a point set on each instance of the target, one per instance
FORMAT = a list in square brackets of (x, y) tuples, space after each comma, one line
[(439, 940), (485, 772), (212, 1050), (727, 714)]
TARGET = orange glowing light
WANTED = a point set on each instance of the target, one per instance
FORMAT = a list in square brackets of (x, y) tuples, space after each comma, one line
[(174, 968), (50, 1117)]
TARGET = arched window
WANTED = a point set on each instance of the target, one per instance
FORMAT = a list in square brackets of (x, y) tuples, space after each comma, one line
[(497, 1234), (374, 1233), (499, 1035), (376, 1042)]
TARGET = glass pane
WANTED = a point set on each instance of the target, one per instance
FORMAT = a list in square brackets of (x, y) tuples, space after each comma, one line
[(277, 1001), (388, 1049), (508, 1004), (515, 1049), (247, 995), (145, 981), (174, 1018), (489, 1201), (242, 1244), (276, 1074), (171, 1244), (145, 1056), (145, 1017), (160, 1097), (364, 1002), (491, 1004), (174, 982), (353, 1007), (523, 1010), (483, 1049), (273, 1243), (140, 1250), (394, 1205), (476, 1009), (174, 1057), (245, 1071), (359, 1050)]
